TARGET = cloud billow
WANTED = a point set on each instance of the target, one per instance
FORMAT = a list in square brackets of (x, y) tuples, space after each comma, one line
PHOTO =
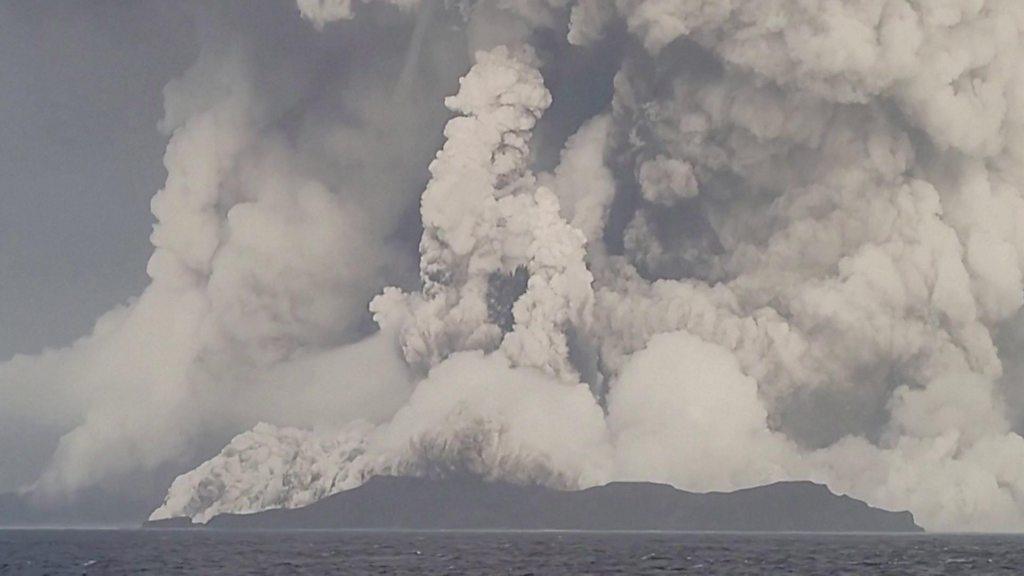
[(785, 249)]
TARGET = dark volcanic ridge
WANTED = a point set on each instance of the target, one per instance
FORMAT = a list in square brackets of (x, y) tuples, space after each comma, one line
[(403, 503)]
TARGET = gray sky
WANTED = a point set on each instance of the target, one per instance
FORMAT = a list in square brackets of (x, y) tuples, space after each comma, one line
[(80, 157)]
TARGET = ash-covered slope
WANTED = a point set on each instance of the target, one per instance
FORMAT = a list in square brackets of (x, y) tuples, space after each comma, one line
[(387, 502)]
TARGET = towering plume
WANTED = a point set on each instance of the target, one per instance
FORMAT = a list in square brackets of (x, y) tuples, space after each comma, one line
[(499, 266), (785, 247)]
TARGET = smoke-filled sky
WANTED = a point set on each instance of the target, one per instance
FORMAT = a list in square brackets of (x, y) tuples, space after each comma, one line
[(713, 244), (80, 94)]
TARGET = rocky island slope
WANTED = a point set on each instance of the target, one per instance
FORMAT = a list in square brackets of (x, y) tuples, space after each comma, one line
[(402, 503)]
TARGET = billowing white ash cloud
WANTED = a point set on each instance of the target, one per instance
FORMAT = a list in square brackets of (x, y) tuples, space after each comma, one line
[(294, 165), (771, 262), (849, 236), (785, 246)]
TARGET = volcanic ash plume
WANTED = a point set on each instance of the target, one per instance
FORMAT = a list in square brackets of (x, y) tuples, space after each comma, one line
[(502, 272), (289, 173), (500, 267), (784, 265), (784, 245)]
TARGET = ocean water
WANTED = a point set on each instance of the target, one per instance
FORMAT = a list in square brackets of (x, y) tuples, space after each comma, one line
[(58, 552)]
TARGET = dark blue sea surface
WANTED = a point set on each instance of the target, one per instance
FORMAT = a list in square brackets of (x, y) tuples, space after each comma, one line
[(77, 552)]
